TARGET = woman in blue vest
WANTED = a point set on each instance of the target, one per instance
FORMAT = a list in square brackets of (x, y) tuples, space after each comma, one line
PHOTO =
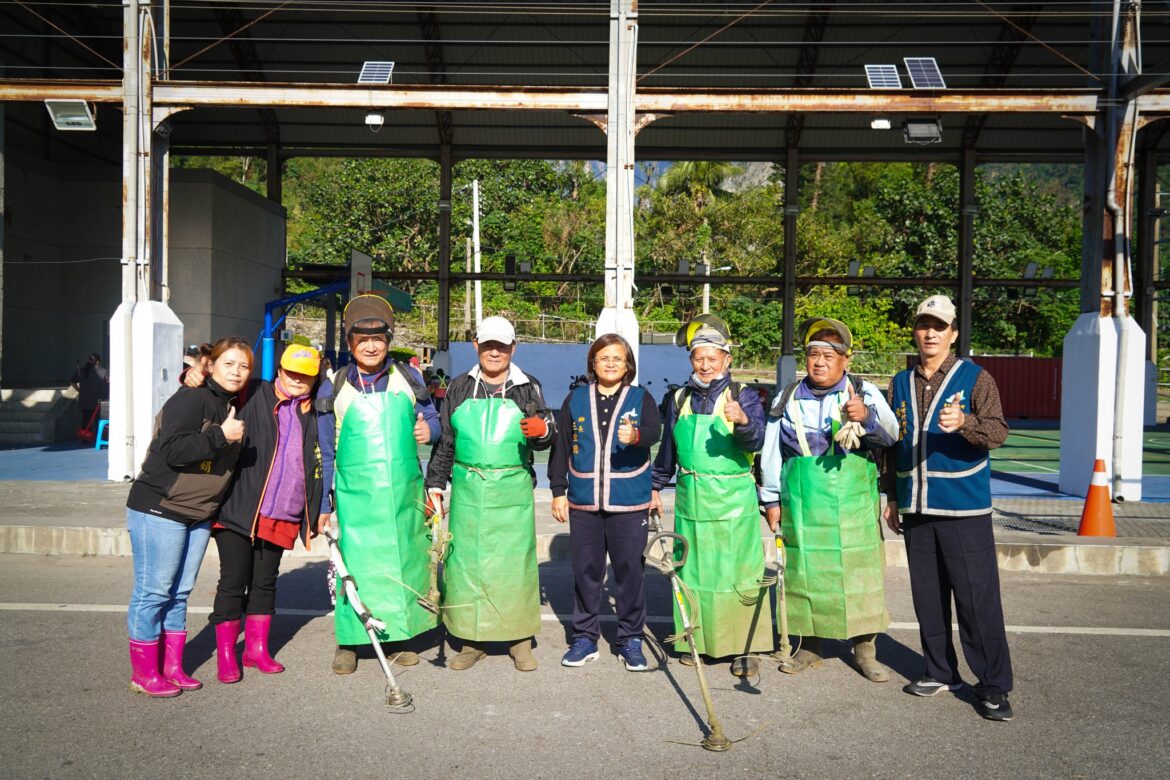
[(599, 472)]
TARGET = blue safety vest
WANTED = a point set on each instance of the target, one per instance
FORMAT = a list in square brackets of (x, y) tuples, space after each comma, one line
[(625, 473), (939, 473)]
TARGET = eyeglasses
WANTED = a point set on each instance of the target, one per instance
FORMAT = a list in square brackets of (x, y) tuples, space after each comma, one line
[(610, 361), (822, 354)]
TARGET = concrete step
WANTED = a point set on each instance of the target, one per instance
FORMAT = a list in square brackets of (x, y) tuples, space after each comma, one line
[(30, 397), (22, 440), (10, 414), (10, 427), (1017, 552)]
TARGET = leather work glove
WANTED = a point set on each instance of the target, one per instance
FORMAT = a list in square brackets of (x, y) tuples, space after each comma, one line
[(434, 503), (534, 427)]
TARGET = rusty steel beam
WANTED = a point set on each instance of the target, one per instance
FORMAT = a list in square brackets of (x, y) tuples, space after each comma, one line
[(582, 99)]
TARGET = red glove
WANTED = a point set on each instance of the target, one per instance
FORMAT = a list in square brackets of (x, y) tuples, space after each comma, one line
[(434, 503), (534, 427)]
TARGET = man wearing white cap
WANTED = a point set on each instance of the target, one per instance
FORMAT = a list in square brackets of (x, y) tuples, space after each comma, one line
[(711, 432), (493, 418), (819, 468), (939, 497)]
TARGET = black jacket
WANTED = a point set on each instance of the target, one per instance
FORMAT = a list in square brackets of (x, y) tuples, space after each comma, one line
[(189, 463), (519, 388), (242, 505)]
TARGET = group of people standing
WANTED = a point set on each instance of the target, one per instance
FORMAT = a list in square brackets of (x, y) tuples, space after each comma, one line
[(302, 451)]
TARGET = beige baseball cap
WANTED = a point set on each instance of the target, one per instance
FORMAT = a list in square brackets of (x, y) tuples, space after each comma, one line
[(937, 306)]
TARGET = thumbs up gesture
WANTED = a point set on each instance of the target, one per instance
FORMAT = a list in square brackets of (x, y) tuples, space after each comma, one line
[(233, 429), (734, 413), (422, 432), (854, 409), (951, 418), (627, 431)]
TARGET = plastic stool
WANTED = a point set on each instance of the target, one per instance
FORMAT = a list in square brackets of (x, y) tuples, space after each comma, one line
[(100, 439)]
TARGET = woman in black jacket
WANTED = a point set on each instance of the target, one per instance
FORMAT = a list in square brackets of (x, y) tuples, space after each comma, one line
[(599, 472), (184, 477), (277, 496)]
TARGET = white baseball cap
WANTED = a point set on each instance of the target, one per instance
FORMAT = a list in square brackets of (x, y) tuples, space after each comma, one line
[(937, 306), (495, 329)]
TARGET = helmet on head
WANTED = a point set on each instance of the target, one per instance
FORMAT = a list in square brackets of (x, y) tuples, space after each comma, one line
[(368, 307), (707, 330)]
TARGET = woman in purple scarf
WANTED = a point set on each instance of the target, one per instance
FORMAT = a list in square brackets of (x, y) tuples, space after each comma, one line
[(277, 496)]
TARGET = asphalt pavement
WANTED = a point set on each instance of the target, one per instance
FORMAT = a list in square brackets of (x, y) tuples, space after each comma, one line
[(1090, 655)]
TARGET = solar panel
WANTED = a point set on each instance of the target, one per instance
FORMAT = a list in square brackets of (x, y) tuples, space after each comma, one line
[(375, 73), (924, 73), (883, 77)]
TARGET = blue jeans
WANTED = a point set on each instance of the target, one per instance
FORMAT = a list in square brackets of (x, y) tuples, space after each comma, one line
[(167, 556)]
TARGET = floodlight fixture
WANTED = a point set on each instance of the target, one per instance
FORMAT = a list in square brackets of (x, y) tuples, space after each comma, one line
[(71, 114), (880, 123), (922, 130), (375, 120), (376, 72)]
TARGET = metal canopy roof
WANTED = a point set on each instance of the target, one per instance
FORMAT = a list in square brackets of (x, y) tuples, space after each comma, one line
[(745, 50)]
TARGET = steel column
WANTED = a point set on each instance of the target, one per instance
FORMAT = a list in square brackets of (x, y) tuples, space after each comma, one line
[(444, 304), (968, 208), (274, 174), (786, 369), (618, 315), (1150, 215)]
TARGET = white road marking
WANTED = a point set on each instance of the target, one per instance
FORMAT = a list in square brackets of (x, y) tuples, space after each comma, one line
[(549, 617), (1029, 465)]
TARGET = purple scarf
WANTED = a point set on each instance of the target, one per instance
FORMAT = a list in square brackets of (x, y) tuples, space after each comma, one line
[(284, 493)]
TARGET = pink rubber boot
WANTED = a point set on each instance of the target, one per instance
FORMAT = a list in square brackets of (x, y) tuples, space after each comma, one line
[(172, 664), (145, 677), (226, 633), (256, 645)]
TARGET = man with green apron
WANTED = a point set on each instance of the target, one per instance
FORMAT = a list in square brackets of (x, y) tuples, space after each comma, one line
[(376, 412), (493, 417), (711, 428), (820, 480)]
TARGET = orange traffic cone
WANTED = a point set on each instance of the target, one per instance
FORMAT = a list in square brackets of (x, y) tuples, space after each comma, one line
[(1097, 516)]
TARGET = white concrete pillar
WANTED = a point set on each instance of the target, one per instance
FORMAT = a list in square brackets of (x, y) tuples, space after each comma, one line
[(618, 315), (1088, 394)]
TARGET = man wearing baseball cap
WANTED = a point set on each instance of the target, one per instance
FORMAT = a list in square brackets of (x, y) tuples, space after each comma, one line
[(375, 413), (819, 469), (712, 429), (493, 419), (939, 497)]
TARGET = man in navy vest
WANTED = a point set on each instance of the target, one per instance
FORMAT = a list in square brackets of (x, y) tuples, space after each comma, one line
[(939, 497)]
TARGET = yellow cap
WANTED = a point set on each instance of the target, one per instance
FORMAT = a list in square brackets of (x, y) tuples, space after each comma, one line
[(301, 360)]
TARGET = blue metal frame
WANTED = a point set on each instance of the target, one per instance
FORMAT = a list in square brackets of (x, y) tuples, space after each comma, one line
[(267, 341)]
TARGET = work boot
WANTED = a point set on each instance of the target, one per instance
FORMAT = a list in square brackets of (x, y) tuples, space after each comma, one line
[(865, 656), (226, 633), (467, 658), (256, 628), (522, 656), (807, 657), (404, 658), (144, 674), (344, 660), (746, 666), (172, 663)]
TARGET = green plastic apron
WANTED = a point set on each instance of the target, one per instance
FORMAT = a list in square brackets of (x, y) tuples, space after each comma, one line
[(379, 492), (491, 590), (833, 583), (716, 510)]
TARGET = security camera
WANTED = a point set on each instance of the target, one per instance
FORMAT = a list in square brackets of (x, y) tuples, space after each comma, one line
[(375, 120)]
